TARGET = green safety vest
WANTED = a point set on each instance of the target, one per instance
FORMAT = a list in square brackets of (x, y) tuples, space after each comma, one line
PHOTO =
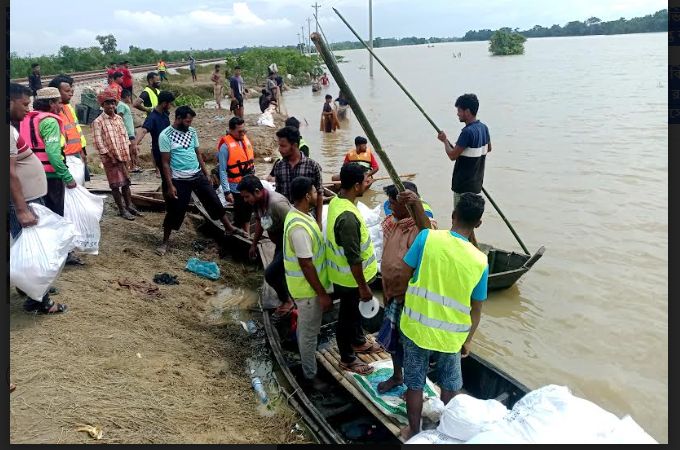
[(304, 148), (436, 314), (153, 96), (298, 286), (339, 271)]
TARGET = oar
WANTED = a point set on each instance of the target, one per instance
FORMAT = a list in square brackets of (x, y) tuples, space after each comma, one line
[(327, 56), (512, 230)]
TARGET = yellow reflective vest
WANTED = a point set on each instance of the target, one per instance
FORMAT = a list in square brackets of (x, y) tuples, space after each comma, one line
[(436, 314), (153, 97), (339, 271), (298, 286)]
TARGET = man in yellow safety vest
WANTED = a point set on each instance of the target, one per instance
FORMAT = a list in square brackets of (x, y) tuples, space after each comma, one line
[(351, 266), (304, 260), (443, 305), (148, 98)]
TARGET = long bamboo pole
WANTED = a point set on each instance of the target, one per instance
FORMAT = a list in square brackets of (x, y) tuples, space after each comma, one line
[(327, 56), (434, 125)]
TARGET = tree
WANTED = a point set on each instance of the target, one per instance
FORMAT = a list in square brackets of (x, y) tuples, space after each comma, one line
[(506, 42), (108, 43)]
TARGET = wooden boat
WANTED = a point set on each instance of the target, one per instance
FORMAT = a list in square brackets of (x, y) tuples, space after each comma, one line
[(328, 419)]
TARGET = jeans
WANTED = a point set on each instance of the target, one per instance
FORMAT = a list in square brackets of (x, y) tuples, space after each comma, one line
[(308, 326), (349, 331)]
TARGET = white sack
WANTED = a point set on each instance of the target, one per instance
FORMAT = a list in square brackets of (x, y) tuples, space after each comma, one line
[(432, 437), (85, 210), (627, 431), (266, 119), (373, 223), (39, 253), (76, 167), (465, 416)]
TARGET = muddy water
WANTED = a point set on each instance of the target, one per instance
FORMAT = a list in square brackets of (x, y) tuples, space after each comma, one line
[(579, 164)]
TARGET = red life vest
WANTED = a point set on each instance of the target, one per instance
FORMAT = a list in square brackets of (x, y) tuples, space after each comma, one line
[(29, 130), (241, 157)]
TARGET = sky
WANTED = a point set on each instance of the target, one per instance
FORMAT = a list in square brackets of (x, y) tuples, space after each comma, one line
[(218, 24)]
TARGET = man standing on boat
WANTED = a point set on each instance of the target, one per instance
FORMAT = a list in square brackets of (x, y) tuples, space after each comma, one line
[(271, 209), (304, 260), (469, 152), (294, 164), (351, 266), (399, 232), (443, 305)]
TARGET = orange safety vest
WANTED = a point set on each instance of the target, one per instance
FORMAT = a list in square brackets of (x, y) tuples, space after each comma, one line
[(241, 160), (72, 132), (363, 159), (29, 129)]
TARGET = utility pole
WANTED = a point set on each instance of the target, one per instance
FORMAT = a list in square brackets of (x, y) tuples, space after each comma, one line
[(304, 41), (299, 44), (370, 37), (316, 14), (309, 33)]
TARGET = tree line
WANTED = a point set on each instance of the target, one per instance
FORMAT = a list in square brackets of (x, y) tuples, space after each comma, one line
[(650, 23), (71, 59)]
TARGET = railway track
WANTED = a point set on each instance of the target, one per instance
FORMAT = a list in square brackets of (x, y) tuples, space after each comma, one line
[(101, 73)]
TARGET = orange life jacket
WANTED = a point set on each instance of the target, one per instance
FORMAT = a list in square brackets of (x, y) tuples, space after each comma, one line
[(241, 160), (29, 129), (72, 132), (363, 159)]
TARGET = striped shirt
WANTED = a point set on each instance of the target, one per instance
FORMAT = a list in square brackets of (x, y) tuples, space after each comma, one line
[(110, 137), (468, 170)]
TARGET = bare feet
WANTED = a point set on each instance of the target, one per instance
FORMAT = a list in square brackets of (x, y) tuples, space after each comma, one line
[(406, 433), (125, 214), (132, 210), (162, 250), (389, 384)]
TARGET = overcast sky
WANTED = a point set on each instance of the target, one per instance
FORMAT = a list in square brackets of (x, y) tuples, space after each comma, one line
[(41, 28)]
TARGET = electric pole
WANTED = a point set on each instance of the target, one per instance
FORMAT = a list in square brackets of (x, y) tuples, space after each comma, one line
[(316, 14), (309, 33), (370, 37), (304, 41), (299, 44)]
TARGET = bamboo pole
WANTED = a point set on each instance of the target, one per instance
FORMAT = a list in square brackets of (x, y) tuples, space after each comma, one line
[(434, 125), (322, 49)]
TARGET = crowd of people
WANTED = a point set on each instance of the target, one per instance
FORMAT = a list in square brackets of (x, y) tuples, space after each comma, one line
[(434, 280)]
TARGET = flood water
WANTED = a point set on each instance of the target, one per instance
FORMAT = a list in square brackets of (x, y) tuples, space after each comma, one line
[(579, 164)]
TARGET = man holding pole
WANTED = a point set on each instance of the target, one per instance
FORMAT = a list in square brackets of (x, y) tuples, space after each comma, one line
[(469, 152)]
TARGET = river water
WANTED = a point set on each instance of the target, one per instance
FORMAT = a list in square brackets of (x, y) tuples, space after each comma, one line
[(579, 164)]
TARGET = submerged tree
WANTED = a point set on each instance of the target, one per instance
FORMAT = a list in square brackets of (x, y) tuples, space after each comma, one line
[(506, 42)]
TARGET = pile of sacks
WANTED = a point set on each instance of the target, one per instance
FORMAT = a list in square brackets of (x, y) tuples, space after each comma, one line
[(549, 415)]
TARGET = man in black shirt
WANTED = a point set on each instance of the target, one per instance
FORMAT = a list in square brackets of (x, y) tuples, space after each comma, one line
[(157, 121), (34, 81), (148, 98)]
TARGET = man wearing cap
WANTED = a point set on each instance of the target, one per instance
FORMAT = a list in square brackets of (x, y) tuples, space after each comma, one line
[(399, 232), (112, 143), (42, 129), (157, 121)]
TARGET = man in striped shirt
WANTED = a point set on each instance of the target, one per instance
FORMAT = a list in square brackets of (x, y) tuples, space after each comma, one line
[(469, 153)]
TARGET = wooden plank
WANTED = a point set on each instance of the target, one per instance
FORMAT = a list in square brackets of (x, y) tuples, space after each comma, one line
[(332, 364), (135, 187)]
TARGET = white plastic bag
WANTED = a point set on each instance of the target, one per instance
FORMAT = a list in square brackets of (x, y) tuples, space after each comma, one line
[(39, 253), (465, 416), (221, 196), (76, 167), (85, 210), (373, 223), (627, 431), (432, 437), (266, 119), (433, 409)]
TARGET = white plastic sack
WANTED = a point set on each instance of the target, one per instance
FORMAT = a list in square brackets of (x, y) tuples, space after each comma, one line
[(551, 415), (434, 409), (465, 416), (220, 195), (268, 186), (627, 431), (266, 119), (373, 223), (85, 210), (39, 253), (432, 437), (76, 167)]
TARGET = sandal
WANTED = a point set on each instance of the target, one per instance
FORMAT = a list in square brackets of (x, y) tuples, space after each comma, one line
[(367, 348), (162, 250), (135, 212), (47, 306), (73, 260), (357, 366), (282, 312), (126, 215)]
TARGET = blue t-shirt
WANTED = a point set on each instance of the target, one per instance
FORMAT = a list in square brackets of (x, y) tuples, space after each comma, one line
[(388, 210), (182, 147), (415, 255), (154, 124), (468, 170)]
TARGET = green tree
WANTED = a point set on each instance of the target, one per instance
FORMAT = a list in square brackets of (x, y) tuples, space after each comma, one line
[(108, 43), (506, 42)]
